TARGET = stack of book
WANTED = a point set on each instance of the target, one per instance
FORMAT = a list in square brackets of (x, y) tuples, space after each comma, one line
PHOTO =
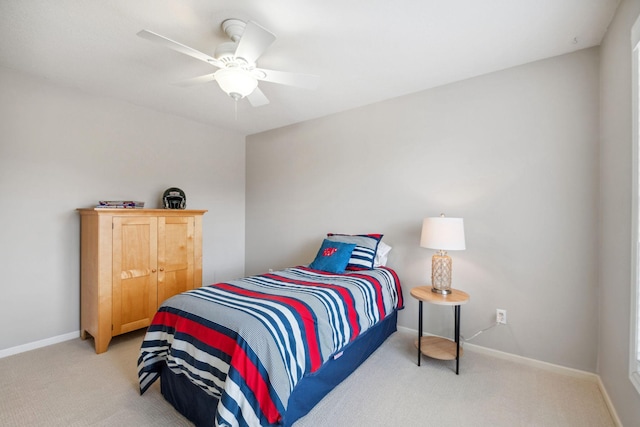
[(122, 204)]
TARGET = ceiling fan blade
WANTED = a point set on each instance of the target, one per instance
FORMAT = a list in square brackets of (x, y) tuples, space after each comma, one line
[(254, 41), (257, 98), (207, 78), (305, 81), (179, 47)]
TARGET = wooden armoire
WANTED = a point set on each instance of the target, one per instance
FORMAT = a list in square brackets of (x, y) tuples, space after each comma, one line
[(131, 260)]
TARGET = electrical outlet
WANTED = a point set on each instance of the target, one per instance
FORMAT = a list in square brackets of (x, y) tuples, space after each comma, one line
[(501, 316)]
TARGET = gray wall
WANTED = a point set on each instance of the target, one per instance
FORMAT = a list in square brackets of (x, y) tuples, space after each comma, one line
[(61, 149), (515, 153), (615, 205)]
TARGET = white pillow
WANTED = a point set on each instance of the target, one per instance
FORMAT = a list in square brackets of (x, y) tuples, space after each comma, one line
[(381, 254)]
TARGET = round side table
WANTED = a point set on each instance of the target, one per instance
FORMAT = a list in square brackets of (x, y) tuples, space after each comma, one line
[(438, 347)]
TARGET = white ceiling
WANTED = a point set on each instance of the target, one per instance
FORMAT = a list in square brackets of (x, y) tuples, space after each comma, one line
[(364, 50)]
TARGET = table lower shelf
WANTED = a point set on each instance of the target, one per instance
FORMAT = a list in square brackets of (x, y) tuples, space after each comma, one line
[(438, 348)]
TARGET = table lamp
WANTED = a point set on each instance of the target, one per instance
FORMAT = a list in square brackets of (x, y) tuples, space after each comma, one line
[(443, 234)]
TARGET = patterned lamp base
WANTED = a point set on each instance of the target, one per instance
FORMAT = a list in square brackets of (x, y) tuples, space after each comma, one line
[(441, 273)]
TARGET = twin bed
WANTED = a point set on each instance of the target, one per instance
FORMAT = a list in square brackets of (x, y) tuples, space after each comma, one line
[(264, 350)]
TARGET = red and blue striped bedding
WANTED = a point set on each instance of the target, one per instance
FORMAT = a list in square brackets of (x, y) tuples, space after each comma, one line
[(248, 342)]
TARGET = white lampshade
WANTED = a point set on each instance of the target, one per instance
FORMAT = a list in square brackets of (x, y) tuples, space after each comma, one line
[(441, 233), (236, 82)]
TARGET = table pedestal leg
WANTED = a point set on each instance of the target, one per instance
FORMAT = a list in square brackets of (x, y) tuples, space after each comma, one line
[(419, 330), (457, 334)]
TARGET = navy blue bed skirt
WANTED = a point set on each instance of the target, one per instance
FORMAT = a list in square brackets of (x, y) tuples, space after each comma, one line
[(200, 408)]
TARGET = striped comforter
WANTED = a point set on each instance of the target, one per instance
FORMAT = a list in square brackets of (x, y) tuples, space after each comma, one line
[(248, 342)]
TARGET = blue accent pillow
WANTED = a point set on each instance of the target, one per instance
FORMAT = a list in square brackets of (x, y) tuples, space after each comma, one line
[(333, 257)]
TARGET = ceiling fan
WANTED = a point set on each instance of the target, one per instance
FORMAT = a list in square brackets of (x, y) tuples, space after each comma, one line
[(237, 73)]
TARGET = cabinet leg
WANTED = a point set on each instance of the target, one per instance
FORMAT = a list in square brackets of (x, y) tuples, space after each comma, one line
[(102, 344)]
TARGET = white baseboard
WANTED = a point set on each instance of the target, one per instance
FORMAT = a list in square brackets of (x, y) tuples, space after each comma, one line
[(38, 344), (607, 400), (576, 373), (520, 359)]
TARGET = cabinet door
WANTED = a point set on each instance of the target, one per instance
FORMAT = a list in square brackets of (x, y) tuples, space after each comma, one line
[(175, 256), (135, 276)]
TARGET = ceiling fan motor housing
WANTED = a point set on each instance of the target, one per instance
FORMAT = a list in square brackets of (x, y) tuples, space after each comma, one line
[(225, 52)]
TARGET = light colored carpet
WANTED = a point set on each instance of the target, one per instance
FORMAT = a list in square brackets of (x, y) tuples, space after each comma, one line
[(67, 384)]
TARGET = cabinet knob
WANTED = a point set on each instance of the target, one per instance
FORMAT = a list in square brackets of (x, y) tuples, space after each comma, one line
[(153, 270), (162, 269)]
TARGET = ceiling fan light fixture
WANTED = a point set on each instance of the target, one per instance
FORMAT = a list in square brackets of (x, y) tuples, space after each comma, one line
[(236, 82)]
